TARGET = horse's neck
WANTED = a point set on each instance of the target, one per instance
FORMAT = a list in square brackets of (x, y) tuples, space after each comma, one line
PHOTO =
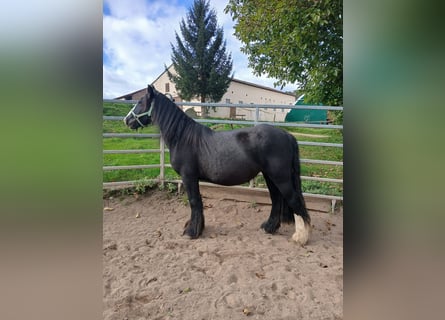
[(174, 124)]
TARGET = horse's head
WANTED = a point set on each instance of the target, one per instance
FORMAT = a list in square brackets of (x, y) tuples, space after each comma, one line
[(140, 114)]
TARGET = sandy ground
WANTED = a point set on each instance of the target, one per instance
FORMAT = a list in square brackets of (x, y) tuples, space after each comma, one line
[(234, 271)]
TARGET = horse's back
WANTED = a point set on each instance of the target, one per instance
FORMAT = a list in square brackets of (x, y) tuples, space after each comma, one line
[(265, 139)]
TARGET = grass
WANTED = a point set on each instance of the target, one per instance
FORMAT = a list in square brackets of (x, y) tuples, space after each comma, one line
[(302, 134)]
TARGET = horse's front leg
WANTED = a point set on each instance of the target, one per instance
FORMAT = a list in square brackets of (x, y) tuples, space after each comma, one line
[(194, 227)]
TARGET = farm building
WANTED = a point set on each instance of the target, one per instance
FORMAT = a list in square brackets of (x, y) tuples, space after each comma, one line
[(239, 92)]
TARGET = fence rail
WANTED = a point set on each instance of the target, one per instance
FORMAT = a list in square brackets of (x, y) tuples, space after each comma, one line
[(131, 135), (135, 151), (162, 149)]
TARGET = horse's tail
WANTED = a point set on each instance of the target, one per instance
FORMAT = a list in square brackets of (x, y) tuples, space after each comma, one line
[(296, 180), (287, 213), (296, 169)]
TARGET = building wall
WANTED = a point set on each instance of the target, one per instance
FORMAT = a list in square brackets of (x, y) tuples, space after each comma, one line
[(139, 94), (164, 85), (239, 92)]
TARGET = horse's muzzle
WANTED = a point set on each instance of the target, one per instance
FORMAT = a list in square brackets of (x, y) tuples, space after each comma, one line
[(131, 122)]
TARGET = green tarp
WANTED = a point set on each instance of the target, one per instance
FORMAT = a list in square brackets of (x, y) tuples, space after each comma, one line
[(303, 115)]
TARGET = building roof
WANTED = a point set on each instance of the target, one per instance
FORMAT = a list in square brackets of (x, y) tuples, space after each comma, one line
[(129, 94), (233, 80), (262, 87)]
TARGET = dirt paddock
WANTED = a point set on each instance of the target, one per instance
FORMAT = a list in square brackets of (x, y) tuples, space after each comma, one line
[(234, 271)]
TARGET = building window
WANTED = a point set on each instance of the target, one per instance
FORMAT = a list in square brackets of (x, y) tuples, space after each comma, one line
[(240, 102), (227, 100), (167, 87)]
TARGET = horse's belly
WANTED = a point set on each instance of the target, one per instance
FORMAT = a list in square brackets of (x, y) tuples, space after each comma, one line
[(231, 175)]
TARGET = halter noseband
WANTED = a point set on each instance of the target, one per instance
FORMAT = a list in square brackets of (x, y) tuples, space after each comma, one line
[(147, 113)]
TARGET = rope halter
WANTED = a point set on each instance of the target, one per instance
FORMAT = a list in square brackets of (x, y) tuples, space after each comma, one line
[(137, 116)]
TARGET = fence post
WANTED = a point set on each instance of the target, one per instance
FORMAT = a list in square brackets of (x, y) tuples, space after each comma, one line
[(256, 119), (162, 161), (257, 115)]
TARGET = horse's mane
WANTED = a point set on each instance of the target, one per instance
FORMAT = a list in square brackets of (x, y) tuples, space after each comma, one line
[(176, 127)]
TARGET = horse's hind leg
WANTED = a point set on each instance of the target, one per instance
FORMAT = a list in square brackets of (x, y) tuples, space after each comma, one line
[(272, 224), (195, 225), (291, 192), (296, 202)]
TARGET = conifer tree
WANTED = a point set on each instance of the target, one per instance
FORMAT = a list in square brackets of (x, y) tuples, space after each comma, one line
[(203, 67)]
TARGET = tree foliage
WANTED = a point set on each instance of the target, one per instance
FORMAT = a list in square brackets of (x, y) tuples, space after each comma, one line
[(203, 67), (294, 41)]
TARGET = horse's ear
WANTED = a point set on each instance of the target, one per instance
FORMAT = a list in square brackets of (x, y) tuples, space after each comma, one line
[(150, 90)]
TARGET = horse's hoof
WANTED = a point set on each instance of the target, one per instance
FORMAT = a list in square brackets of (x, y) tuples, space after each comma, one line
[(270, 227), (302, 231), (189, 232)]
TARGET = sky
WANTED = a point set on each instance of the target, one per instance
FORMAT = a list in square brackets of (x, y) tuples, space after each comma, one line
[(137, 38)]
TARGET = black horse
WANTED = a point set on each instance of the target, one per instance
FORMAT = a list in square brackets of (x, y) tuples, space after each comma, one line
[(228, 158)]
